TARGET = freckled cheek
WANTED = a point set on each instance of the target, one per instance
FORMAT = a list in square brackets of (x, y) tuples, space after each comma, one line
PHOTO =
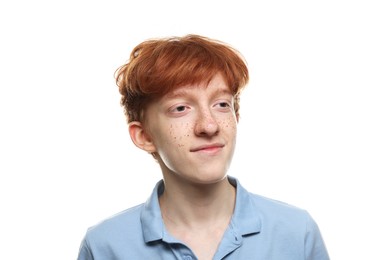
[(229, 124), (180, 133)]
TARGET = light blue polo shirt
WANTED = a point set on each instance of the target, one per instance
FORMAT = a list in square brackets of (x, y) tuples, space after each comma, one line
[(260, 228)]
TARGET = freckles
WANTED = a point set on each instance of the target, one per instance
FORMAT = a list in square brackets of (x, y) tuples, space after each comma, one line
[(186, 133), (178, 135), (171, 132), (228, 123), (189, 128)]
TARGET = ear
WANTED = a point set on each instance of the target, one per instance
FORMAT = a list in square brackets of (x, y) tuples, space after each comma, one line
[(140, 137)]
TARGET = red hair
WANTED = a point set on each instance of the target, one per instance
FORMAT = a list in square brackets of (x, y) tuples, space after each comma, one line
[(158, 66)]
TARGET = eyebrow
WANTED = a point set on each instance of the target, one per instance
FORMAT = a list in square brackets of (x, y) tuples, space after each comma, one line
[(176, 93), (183, 91)]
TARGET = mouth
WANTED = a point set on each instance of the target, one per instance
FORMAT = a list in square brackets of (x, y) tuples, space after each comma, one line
[(208, 148)]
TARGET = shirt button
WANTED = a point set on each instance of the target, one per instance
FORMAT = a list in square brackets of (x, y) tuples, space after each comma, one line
[(187, 257)]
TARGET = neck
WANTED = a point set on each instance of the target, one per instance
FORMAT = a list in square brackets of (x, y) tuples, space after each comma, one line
[(197, 205)]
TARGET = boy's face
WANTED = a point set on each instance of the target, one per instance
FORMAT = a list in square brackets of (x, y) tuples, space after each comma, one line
[(193, 131)]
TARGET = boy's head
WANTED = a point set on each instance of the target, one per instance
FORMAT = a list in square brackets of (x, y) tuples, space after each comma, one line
[(159, 66)]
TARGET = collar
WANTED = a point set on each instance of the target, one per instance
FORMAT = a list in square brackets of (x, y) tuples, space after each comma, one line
[(245, 220)]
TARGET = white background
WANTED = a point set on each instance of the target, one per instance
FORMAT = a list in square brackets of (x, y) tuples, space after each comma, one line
[(314, 130)]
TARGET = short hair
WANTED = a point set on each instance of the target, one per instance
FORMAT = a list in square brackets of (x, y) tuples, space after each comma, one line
[(159, 66)]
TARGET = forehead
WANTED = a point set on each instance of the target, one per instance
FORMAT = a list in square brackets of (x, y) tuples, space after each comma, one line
[(217, 85)]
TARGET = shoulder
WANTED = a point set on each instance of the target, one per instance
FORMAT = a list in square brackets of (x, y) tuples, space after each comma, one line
[(281, 218), (287, 228), (117, 236), (279, 210), (274, 205), (265, 207), (270, 215), (123, 223)]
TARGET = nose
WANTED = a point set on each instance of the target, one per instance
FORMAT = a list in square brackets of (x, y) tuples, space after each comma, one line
[(206, 125)]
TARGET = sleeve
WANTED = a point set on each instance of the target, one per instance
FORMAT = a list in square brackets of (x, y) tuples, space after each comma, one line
[(84, 251), (315, 248)]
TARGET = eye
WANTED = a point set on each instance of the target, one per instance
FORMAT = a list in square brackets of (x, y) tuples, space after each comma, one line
[(223, 104), (179, 109)]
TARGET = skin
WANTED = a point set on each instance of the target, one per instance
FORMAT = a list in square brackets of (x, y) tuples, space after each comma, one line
[(192, 133)]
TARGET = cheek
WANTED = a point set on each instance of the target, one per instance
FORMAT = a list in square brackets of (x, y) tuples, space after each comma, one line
[(180, 133), (229, 125)]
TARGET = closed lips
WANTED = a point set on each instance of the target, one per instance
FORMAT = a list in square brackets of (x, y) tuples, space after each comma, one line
[(207, 147)]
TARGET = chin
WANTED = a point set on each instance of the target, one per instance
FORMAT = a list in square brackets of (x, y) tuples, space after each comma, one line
[(209, 178), (198, 173)]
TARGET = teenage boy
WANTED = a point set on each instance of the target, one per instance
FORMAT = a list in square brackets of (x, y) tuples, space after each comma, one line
[(181, 99)]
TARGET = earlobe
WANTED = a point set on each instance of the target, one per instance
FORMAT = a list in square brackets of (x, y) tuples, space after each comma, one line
[(140, 137)]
